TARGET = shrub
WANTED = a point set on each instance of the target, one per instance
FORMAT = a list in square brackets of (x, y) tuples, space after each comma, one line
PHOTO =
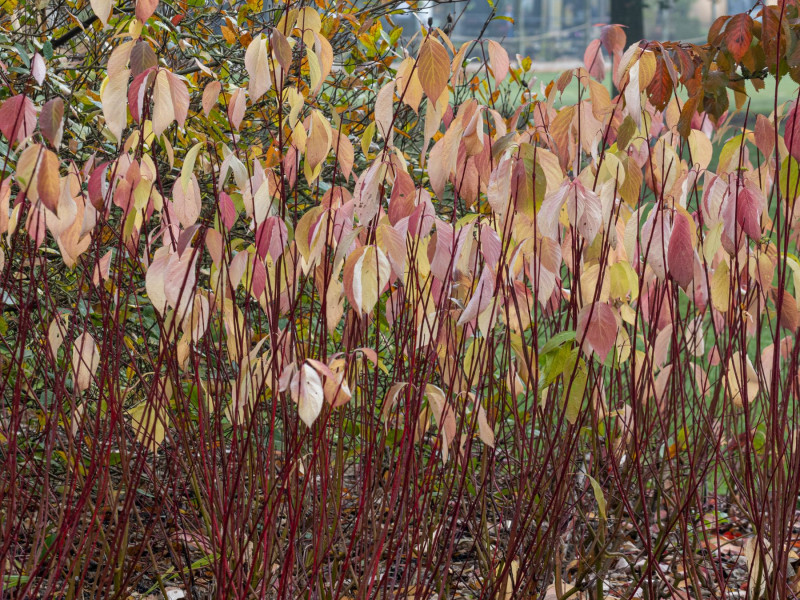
[(289, 312)]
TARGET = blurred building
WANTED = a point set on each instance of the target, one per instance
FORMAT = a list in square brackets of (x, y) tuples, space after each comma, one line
[(554, 30)]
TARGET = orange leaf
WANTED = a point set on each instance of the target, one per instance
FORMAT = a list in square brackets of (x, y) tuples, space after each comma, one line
[(738, 35), (434, 68), (48, 181), (498, 57)]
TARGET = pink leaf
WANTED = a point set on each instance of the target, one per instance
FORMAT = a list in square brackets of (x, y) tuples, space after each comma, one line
[(145, 9), (593, 59), (480, 299), (227, 211), (792, 135), (680, 256), (17, 118), (748, 212), (598, 325)]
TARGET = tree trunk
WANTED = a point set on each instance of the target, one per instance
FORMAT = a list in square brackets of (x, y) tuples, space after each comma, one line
[(629, 13)]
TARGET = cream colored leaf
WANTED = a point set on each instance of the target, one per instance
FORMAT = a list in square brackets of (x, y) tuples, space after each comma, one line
[(85, 360)]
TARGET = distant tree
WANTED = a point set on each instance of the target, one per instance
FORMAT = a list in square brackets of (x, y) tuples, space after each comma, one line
[(630, 14)]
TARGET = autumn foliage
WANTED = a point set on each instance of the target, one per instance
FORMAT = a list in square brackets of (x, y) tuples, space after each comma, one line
[(292, 311)]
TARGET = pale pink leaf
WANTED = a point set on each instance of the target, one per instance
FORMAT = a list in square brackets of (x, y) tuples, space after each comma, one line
[(598, 325)]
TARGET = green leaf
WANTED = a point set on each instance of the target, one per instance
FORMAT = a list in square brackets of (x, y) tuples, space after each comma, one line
[(576, 391), (599, 496), (556, 341)]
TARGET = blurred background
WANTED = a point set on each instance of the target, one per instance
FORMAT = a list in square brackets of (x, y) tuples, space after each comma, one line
[(558, 31)]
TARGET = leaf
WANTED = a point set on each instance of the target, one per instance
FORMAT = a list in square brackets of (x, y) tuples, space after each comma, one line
[(236, 107), (145, 9), (749, 206), (366, 273), (720, 287), (484, 292), (319, 140), (739, 35), (443, 414), (498, 192), (485, 431), (280, 46), (433, 65), (210, 96), (599, 497), (384, 111), (102, 268), (51, 121), (102, 8), (764, 135), (180, 98), (681, 256), (633, 97), (38, 68), (17, 118), (598, 324), (365, 195), (142, 58), (310, 394), (792, 134), (593, 60), (163, 110), (187, 200), (149, 423), (498, 58), (56, 332), (48, 183), (575, 383), (85, 360), (154, 282), (256, 61)]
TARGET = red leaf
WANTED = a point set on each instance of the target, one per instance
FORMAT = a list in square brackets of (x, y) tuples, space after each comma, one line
[(17, 118), (597, 326), (680, 255)]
